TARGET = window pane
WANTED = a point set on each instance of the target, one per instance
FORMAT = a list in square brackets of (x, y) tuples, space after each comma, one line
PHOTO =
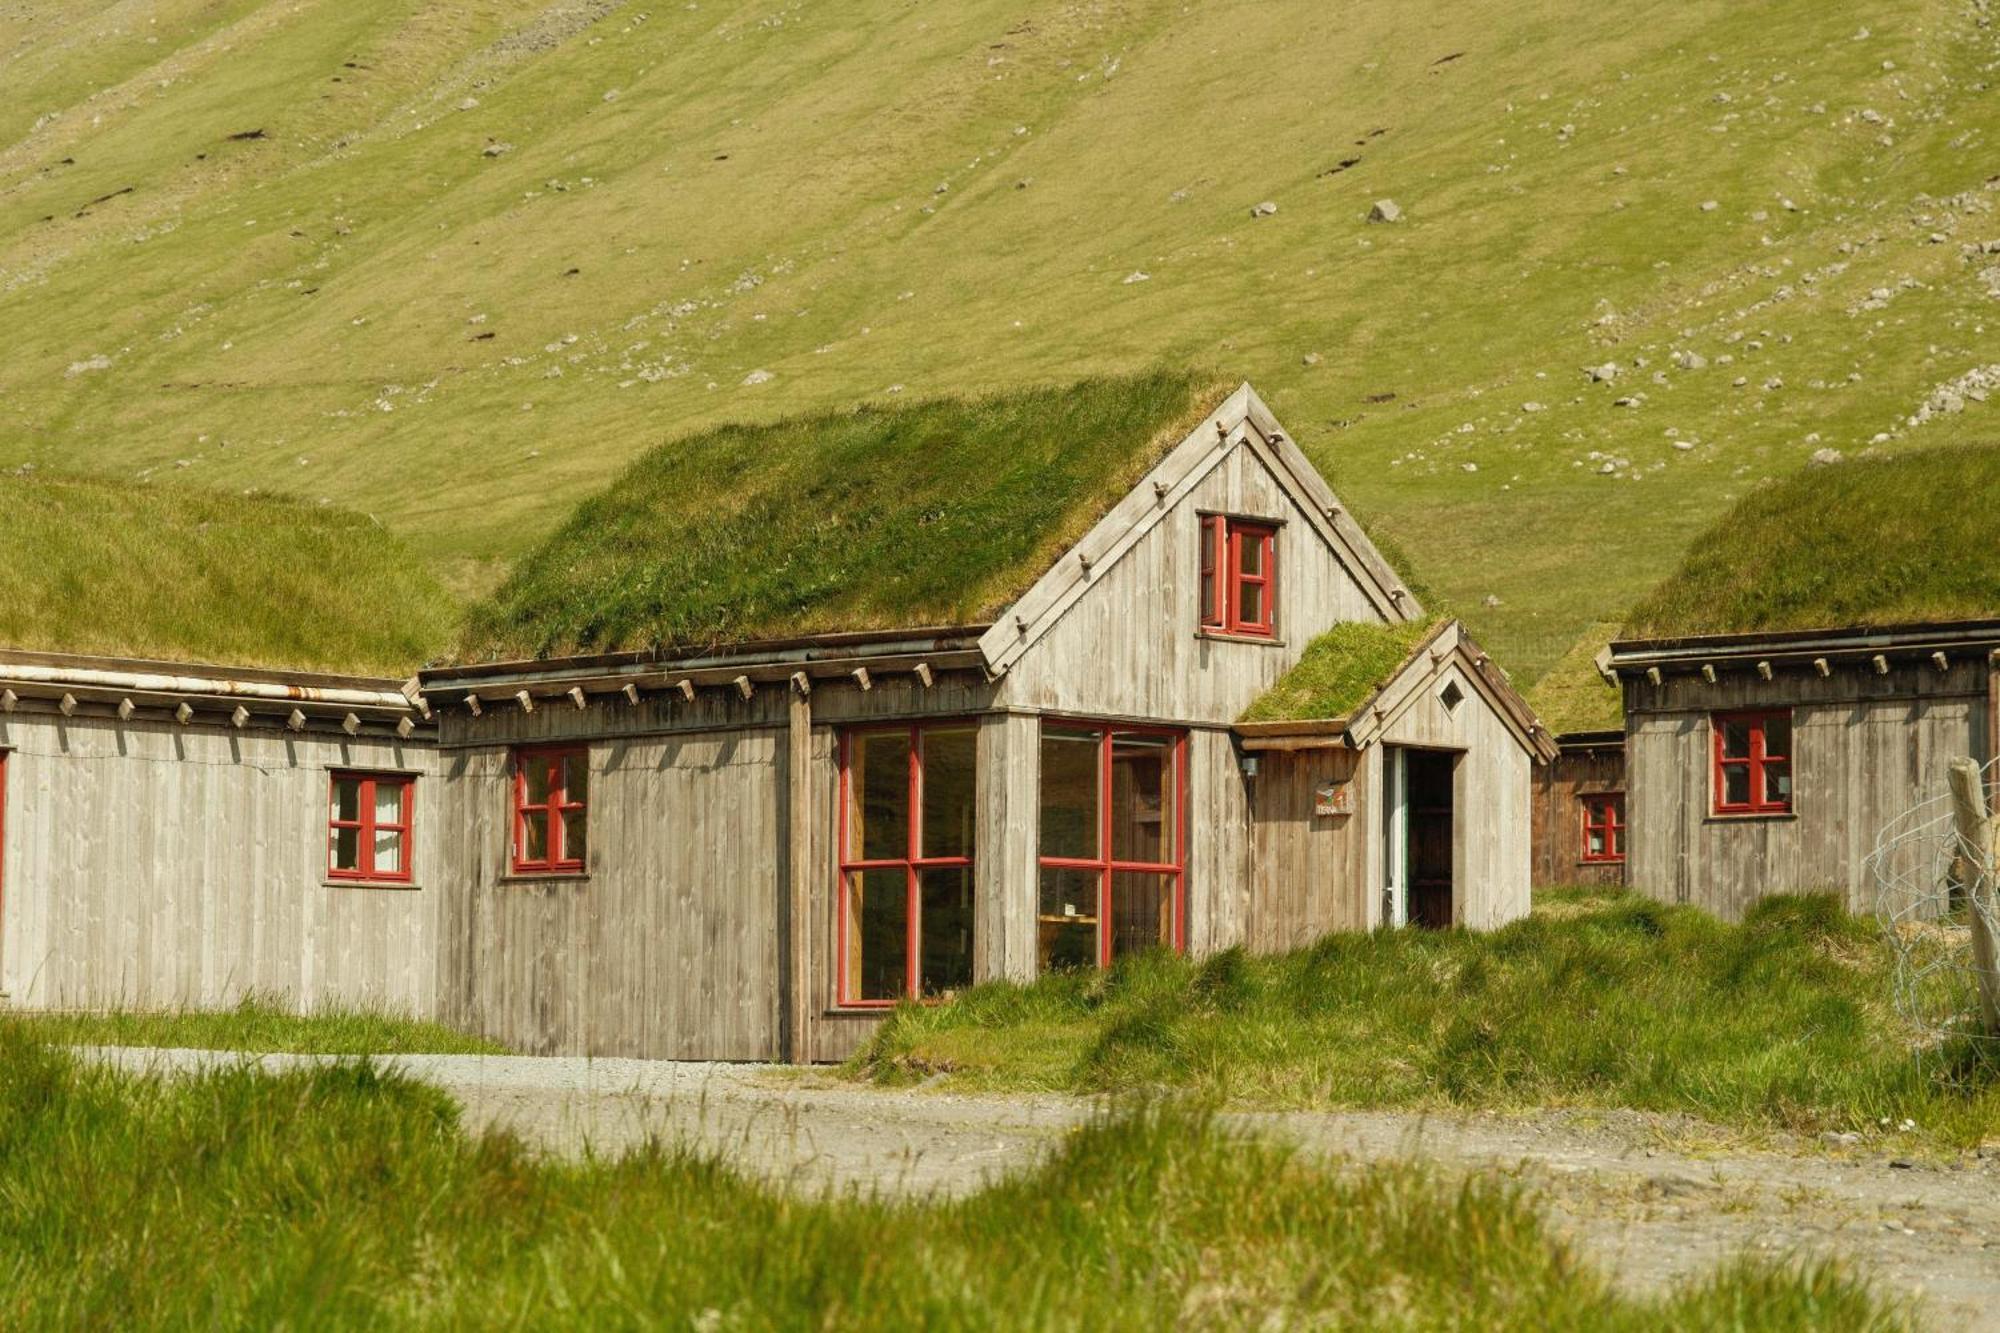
[(1069, 793), (878, 796), (1736, 784), (1142, 912), (1778, 735), (347, 849), (535, 768), (1594, 843), (878, 939), (1250, 553), (347, 798), (576, 778), (945, 962), (1250, 603), (950, 779), (1142, 798), (388, 852), (535, 836), (1066, 928), (574, 844), (1736, 740), (1778, 783), (1211, 562), (388, 802)]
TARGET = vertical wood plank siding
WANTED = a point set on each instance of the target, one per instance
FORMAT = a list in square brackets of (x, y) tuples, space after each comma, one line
[(156, 866), (1866, 747), (1558, 815), (1311, 870)]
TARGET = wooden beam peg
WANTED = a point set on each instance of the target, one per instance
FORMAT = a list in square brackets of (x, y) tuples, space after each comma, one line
[(1940, 661), (183, 714), (297, 721), (631, 693), (350, 724), (1652, 675), (744, 686), (8, 700), (923, 671), (686, 687), (578, 697), (240, 718), (472, 703), (526, 700), (404, 727), (1708, 672), (1881, 665), (67, 705), (1763, 670), (1824, 667), (125, 710), (802, 683), (863, 679)]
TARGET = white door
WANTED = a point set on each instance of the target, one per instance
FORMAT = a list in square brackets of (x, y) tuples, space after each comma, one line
[(1395, 838)]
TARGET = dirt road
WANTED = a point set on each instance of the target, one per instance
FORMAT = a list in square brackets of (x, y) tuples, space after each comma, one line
[(1646, 1198)]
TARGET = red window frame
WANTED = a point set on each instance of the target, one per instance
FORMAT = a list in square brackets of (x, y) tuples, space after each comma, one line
[(1753, 763), (557, 861), (913, 863), (1223, 580), (366, 827), (1108, 867), (1604, 812)]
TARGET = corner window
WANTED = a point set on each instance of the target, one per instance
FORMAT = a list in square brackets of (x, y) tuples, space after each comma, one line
[(1753, 763), (1604, 827), (906, 848), (368, 827), (551, 811), (1239, 576), (1112, 832)]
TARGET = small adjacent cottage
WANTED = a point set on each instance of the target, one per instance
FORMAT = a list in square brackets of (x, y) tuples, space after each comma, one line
[(1201, 711)]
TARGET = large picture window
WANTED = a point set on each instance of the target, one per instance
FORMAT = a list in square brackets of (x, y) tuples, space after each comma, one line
[(1604, 827), (368, 827), (1753, 763), (1112, 833), (908, 807), (1239, 576), (551, 811)]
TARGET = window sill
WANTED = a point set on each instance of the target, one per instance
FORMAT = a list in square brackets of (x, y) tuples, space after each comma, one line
[(1224, 636), (545, 877), (1749, 816), (1599, 863), (393, 885)]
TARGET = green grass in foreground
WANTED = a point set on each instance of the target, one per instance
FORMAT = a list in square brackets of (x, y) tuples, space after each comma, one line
[(1782, 1022), (341, 1197), (255, 1025), (171, 571)]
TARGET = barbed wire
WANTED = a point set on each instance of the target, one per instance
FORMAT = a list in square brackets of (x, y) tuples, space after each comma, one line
[(1927, 910)]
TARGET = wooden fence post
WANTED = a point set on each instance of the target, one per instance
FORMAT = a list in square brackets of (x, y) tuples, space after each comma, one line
[(1973, 866)]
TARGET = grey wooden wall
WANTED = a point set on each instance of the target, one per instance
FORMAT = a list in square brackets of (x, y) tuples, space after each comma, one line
[(1310, 873), (1866, 747), (151, 865)]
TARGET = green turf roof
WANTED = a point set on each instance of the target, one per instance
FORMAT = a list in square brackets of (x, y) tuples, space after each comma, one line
[(1572, 696), (1868, 542), (937, 512), (113, 568), (1339, 670)]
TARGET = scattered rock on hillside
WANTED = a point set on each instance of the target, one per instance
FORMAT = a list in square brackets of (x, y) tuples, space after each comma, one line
[(468, 103), (88, 364), (1264, 210), (1690, 360), (1385, 210), (1603, 374), (1137, 275), (1709, 205), (1532, 407), (495, 148), (1310, 359), (1490, 602), (1823, 458), (758, 377)]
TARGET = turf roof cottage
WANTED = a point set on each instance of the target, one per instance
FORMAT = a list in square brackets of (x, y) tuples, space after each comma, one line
[(750, 850)]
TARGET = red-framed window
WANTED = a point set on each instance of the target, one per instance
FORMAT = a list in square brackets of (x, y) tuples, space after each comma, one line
[(1239, 576), (369, 819), (1113, 838), (1603, 827), (1753, 763), (908, 811), (551, 810)]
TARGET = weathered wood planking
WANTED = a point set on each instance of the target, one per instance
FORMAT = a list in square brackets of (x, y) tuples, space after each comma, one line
[(1309, 875), (157, 866), (1866, 747), (1559, 789)]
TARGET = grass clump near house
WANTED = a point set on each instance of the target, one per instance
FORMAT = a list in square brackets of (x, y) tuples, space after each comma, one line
[(1605, 999), (343, 1197), (1870, 541), (1573, 696), (257, 1025), (136, 570), (930, 513), (1339, 670)]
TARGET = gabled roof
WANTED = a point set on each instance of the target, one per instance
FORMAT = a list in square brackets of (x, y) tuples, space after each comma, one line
[(1365, 723), (1240, 421)]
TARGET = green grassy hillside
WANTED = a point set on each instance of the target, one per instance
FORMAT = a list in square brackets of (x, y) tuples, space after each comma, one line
[(181, 573), (454, 266)]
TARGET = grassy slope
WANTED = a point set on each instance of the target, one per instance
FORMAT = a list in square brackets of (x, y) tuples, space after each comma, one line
[(952, 198), (340, 1198), (175, 572), (1572, 696), (1610, 1001), (1338, 671), (1869, 542), (933, 513)]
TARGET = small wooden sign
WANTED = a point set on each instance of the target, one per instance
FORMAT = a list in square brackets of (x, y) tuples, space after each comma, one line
[(1333, 798)]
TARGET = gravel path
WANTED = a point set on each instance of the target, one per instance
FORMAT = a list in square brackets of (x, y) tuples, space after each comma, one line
[(1642, 1196)]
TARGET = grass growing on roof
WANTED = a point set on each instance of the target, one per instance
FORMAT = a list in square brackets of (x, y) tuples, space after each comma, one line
[(1339, 670), (256, 1025), (1573, 696), (927, 513), (1870, 541), (99, 566), (1601, 999), (342, 1197)]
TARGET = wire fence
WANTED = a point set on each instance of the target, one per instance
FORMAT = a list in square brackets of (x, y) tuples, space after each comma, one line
[(1926, 902)]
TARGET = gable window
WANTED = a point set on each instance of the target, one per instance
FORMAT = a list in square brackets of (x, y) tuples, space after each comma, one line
[(1112, 835), (1239, 576), (551, 809), (1753, 763), (368, 827), (1604, 827), (906, 846)]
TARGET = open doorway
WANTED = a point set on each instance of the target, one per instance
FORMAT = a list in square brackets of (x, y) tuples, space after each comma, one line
[(1417, 837)]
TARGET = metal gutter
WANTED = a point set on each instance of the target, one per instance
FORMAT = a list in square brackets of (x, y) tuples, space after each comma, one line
[(162, 680), (769, 652), (1638, 654)]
